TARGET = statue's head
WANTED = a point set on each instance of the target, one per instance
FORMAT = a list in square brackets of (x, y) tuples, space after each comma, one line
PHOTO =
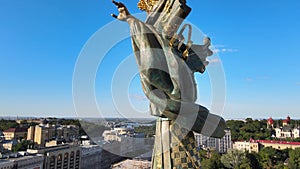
[(147, 5)]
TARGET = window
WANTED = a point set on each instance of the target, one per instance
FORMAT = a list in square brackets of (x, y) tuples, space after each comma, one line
[(59, 161), (66, 159), (52, 162), (72, 160), (77, 158)]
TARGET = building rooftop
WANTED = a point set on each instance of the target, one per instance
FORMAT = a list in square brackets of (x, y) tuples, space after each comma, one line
[(15, 130), (272, 142), (279, 142), (287, 129), (52, 148), (28, 157), (270, 121)]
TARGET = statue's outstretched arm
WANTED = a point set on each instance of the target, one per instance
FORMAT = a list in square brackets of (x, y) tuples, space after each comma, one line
[(124, 14)]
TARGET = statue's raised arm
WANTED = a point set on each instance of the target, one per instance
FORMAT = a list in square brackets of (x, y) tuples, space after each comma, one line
[(123, 11)]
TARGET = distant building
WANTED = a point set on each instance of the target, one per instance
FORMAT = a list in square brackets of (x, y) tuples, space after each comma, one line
[(225, 143), (37, 121), (220, 145), (270, 123), (286, 131), (8, 144), (250, 146), (257, 145), (287, 121), (205, 142), (115, 133), (67, 132), (125, 141), (54, 143), (30, 133), (15, 133), (280, 145), (42, 133)]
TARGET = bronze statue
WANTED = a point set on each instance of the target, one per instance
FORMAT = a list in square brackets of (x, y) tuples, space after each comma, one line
[(167, 65)]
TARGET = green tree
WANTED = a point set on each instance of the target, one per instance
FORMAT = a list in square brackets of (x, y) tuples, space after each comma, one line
[(254, 160), (6, 124), (213, 161), (271, 158), (245, 164), (22, 146), (249, 120), (250, 129), (234, 159), (294, 159), (280, 165), (235, 126)]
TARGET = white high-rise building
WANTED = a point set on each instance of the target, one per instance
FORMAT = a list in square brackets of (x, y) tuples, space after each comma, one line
[(220, 145)]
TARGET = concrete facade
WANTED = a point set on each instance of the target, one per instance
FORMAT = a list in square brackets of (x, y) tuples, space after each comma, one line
[(63, 156), (40, 134), (25, 162), (287, 132)]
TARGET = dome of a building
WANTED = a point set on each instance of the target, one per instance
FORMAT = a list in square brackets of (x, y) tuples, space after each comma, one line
[(288, 119), (270, 121)]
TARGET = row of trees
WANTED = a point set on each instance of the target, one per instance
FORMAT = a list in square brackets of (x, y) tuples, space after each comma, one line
[(22, 145), (244, 130), (267, 158), (6, 124)]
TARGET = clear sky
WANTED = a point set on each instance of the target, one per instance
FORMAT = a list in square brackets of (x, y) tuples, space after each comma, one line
[(257, 43)]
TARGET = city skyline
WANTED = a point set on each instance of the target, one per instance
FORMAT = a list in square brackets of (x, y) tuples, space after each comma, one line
[(256, 42)]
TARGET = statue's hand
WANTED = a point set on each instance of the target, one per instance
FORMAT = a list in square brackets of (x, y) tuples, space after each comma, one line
[(123, 11)]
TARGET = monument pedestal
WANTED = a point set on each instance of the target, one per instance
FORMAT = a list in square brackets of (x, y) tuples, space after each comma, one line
[(174, 147)]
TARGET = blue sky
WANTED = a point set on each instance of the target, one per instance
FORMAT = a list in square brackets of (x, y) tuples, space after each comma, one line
[(40, 42)]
